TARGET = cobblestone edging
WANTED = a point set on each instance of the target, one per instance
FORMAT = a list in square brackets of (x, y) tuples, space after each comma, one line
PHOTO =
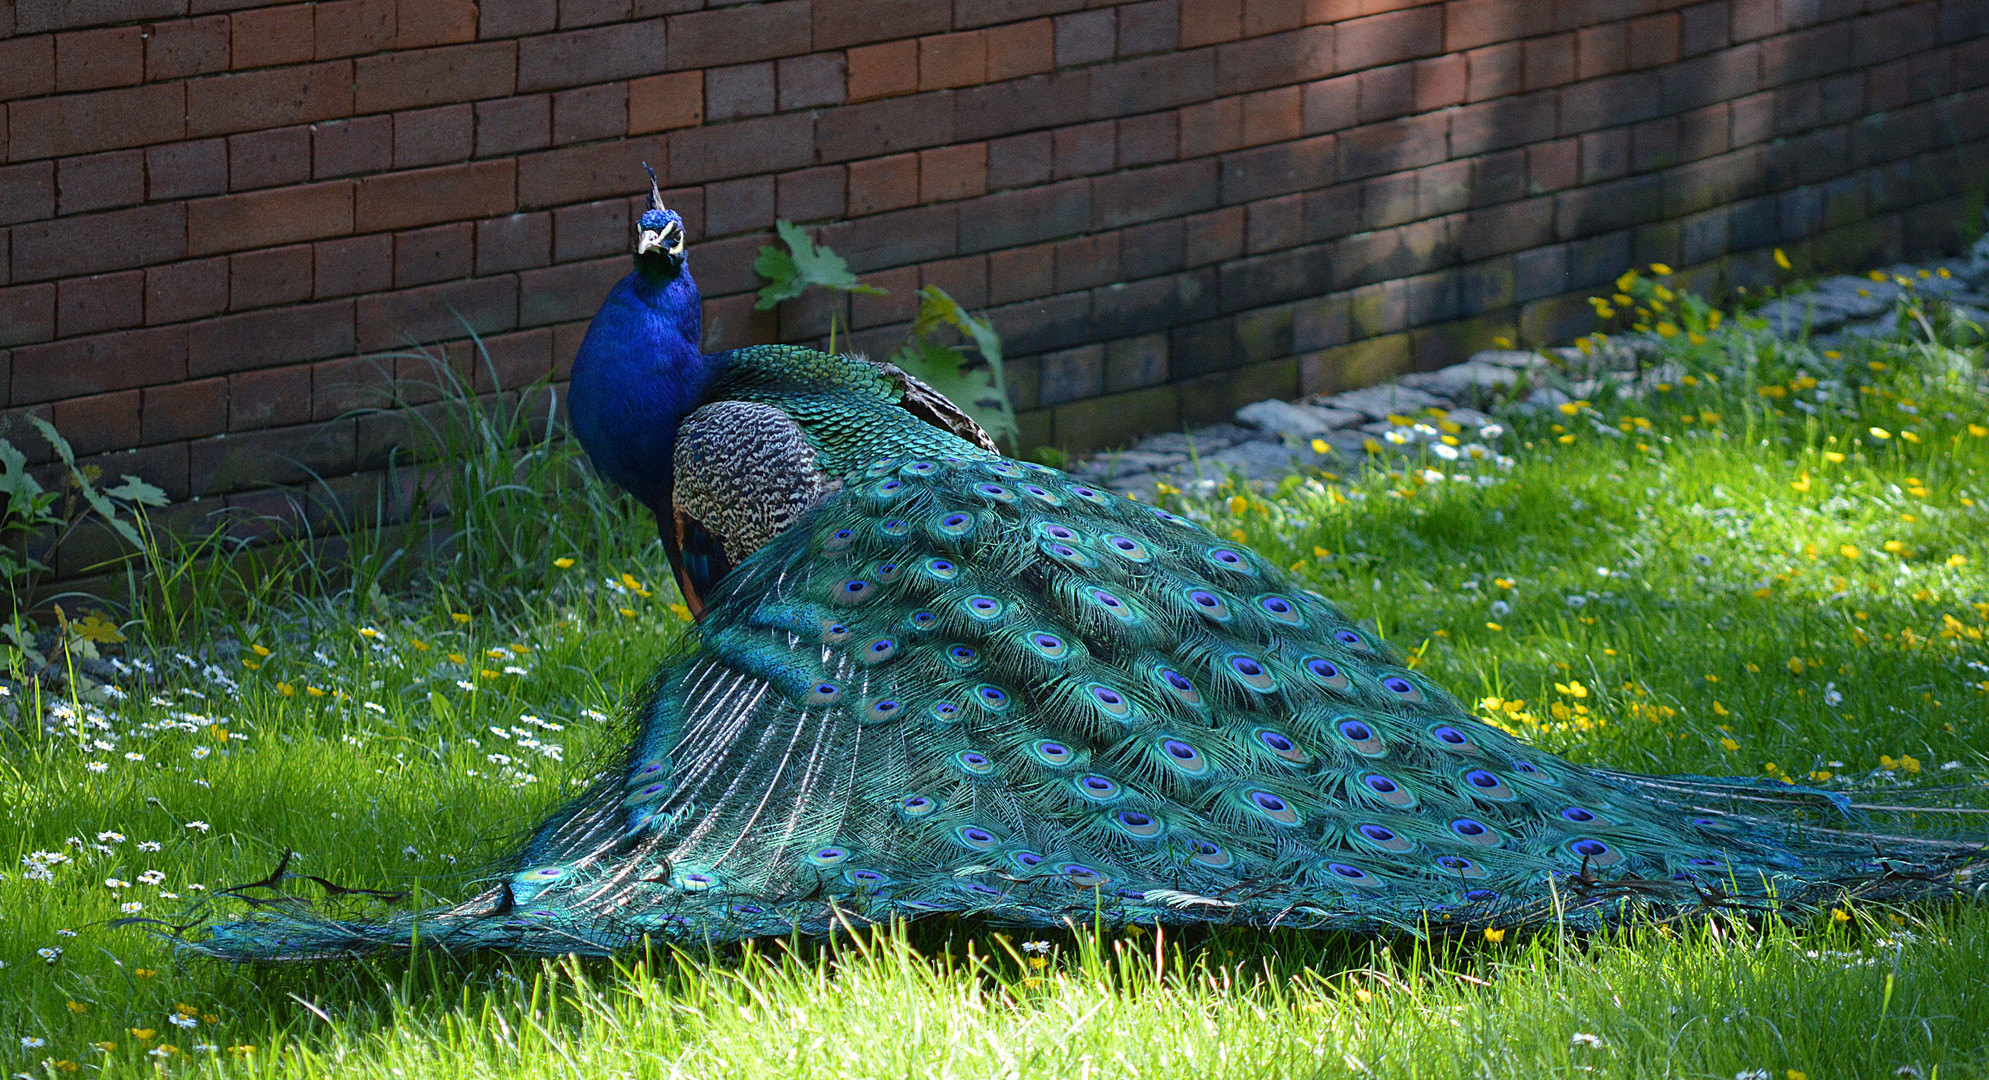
[(1270, 439)]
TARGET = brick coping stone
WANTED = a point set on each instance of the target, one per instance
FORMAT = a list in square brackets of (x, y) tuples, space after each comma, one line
[(1376, 426)]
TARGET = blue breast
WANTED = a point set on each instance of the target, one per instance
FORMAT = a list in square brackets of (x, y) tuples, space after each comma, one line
[(638, 373)]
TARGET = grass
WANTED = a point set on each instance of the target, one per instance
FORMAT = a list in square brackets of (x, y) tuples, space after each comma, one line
[(1758, 590)]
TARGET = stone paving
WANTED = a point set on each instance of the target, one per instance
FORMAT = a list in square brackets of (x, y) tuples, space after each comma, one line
[(1269, 440)]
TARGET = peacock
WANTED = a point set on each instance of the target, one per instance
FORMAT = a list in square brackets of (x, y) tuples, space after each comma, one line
[(928, 678)]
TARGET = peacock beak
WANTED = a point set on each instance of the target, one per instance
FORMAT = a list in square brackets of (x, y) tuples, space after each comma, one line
[(668, 240)]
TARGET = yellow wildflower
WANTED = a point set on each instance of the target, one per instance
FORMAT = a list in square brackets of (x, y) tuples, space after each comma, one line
[(1781, 260)]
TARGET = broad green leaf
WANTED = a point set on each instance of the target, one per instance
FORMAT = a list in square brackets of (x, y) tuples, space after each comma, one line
[(803, 266), (137, 491)]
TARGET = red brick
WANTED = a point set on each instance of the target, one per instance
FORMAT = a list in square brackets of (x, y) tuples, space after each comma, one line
[(436, 254), (435, 76), (354, 27), (733, 206), (1703, 133), (1386, 92), (268, 397), (1082, 150), (898, 302), (273, 336), (1388, 39), (1018, 50), (27, 315), (735, 35), (260, 159), (600, 54), (1331, 104), (27, 67), (439, 312), (105, 120), (1602, 50), (1440, 82), (183, 170), (99, 364), (265, 37), (811, 81), (1277, 60), (268, 218), (180, 291), (351, 265), (1086, 261), (1551, 166), (1705, 27), (94, 304), (423, 23), (270, 276), (222, 104), (97, 243), (1896, 33), (100, 422), (740, 90), (880, 71), (27, 192), (1144, 140), (1395, 144), (1654, 40), (1085, 37), (965, 279), (1753, 118), (1021, 273), (762, 144), (1549, 61), (599, 171), (948, 60), (661, 102), (813, 194), (1272, 16), (186, 47), (516, 242), (1211, 127), (254, 459), (1494, 71), (99, 59), (101, 181), (856, 22), (345, 147), (1273, 115), (1502, 123), (510, 18), (1160, 191), (880, 184), (587, 113), (1605, 155), (188, 410), (954, 172), (434, 136), (574, 290), (1213, 237), (1149, 26), (1208, 22), (1469, 24), (1020, 159), (425, 196)]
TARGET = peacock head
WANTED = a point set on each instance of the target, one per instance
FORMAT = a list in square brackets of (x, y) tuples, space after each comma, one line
[(659, 234)]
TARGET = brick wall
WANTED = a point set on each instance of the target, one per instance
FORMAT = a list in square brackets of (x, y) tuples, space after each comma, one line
[(212, 210)]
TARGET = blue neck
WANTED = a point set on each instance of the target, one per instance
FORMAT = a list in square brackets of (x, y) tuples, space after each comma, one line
[(639, 372)]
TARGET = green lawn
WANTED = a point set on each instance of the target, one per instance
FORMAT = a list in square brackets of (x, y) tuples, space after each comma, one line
[(1757, 590)]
